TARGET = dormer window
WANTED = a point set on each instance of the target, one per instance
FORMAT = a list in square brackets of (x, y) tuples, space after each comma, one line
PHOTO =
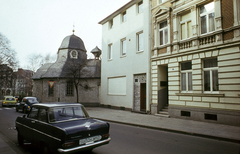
[(74, 54)]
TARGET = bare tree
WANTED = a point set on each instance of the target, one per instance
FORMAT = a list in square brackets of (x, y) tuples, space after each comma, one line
[(8, 63), (37, 60), (74, 69), (7, 54)]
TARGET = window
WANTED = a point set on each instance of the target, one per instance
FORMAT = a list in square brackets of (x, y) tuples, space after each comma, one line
[(50, 90), (163, 33), (70, 88), (42, 115), (186, 76), (207, 18), (140, 7), (111, 24), (162, 1), (74, 54), (210, 71), (140, 41), (124, 16), (33, 114), (110, 51), (123, 47), (186, 26)]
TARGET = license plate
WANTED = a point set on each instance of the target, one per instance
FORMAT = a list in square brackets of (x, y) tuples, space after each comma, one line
[(90, 140)]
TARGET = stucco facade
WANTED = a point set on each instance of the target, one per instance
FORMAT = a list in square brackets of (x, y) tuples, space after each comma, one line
[(201, 56), (125, 74)]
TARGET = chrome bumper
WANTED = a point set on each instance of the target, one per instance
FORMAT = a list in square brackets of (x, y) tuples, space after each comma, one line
[(95, 144)]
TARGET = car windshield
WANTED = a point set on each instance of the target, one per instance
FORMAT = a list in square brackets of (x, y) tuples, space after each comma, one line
[(33, 100), (66, 113), (10, 99)]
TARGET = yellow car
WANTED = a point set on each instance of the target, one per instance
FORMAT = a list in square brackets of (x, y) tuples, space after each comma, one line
[(9, 101)]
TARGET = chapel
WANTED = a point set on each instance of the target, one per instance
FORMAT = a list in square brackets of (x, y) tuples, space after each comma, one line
[(72, 78)]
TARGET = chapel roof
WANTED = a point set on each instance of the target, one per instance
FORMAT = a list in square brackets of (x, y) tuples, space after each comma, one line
[(73, 42)]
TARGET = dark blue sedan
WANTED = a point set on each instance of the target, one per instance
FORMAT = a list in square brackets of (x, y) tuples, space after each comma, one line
[(61, 127), (26, 104)]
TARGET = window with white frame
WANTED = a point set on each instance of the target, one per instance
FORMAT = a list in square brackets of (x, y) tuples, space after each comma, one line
[(123, 47), (140, 6), (162, 1), (163, 33), (109, 51), (140, 41), (210, 73), (111, 24), (207, 18), (186, 76), (186, 26), (124, 16)]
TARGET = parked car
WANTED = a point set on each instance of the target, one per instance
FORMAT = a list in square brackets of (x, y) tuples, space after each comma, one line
[(61, 127), (16, 97), (9, 101), (26, 104)]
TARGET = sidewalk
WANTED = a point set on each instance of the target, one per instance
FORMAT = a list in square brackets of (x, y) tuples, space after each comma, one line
[(197, 128)]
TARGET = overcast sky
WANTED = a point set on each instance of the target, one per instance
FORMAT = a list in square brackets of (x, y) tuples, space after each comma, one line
[(39, 26)]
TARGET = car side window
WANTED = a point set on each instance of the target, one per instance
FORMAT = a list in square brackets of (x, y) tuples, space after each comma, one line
[(42, 115), (33, 114)]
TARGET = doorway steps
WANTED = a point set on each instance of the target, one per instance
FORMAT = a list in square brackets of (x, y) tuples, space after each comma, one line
[(163, 112)]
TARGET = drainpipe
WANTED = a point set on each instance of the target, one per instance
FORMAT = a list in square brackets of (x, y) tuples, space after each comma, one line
[(149, 58)]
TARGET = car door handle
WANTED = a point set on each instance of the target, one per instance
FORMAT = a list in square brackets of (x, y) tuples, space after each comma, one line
[(33, 122)]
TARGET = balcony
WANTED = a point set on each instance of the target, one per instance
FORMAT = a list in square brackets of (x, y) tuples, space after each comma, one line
[(191, 44)]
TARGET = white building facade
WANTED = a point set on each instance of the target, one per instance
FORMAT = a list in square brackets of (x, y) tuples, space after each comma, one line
[(125, 72)]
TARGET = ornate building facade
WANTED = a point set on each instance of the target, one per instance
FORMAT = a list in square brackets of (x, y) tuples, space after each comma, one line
[(195, 59)]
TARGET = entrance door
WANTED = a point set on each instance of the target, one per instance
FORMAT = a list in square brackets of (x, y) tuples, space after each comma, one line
[(163, 87), (143, 97)]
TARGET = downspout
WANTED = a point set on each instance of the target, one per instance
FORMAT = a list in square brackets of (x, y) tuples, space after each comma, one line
[(149, 58)]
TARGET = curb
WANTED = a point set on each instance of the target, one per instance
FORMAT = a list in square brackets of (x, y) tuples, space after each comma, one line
[(175, 131)]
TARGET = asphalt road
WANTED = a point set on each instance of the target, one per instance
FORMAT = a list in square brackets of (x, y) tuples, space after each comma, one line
[(129, 140)]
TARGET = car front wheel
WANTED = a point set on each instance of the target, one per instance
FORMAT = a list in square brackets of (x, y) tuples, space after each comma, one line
[(24, 110)]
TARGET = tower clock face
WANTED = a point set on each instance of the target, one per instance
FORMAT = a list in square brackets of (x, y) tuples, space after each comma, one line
[(74, 54)]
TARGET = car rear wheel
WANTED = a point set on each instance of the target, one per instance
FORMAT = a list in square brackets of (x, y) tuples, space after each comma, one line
[(45, 149), (20, 139)]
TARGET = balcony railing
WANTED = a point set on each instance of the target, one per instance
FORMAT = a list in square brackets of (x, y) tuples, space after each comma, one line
[(207, 40), (185, 45)]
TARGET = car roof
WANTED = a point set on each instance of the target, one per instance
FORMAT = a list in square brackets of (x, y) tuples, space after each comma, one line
[(9, 97), (57, 104), (29, 97)]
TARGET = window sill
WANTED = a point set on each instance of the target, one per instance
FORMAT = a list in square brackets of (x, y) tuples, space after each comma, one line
[(139, 51), (69, 95), (123, 56), (200, 94)]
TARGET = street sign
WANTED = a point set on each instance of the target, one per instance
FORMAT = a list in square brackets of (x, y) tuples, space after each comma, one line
[(51, 83)]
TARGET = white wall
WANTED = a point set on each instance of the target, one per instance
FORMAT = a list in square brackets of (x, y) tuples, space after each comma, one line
[(133, 62)]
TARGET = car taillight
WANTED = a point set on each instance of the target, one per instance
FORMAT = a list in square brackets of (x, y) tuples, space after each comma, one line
[(105, 136), (68, 144)]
